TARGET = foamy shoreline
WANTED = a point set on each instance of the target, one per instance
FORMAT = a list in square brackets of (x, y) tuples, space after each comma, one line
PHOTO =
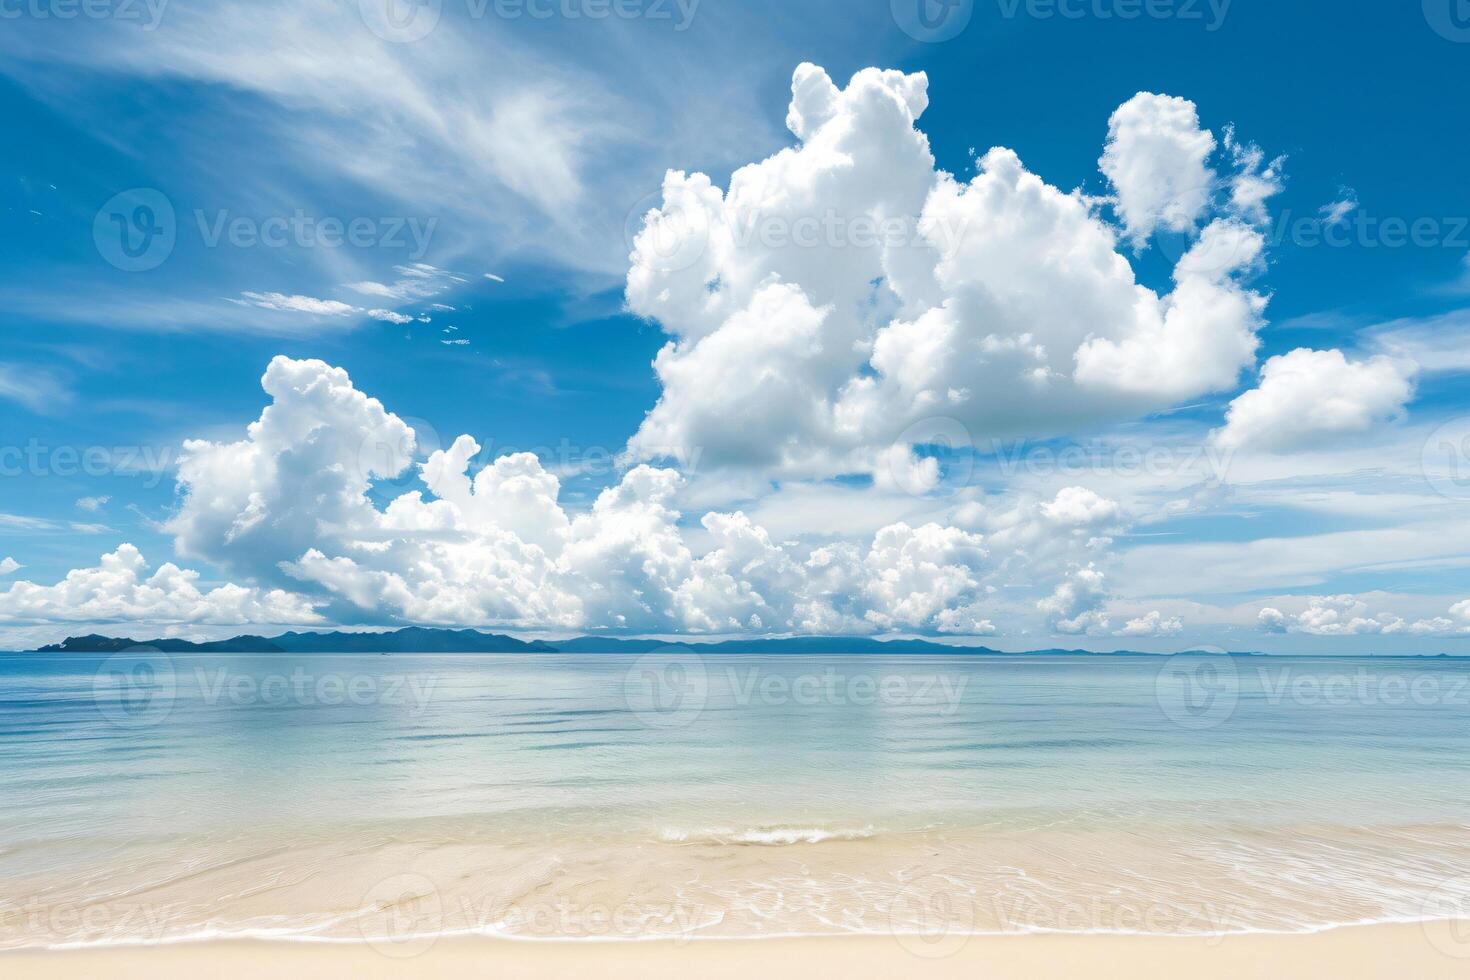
[(1424, 950)]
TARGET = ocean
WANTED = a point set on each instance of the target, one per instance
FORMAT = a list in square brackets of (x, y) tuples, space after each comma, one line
[(394, 799)]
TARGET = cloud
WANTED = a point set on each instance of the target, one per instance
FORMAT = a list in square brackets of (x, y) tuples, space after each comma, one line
[(389, 316), (1346, 615), (9, 565), (92, 504), (1080, 506), (903, 296), (1152, 624), (1157, 159), (89, 528), (326, 497), (1254, 179), (1311, 397), (1076, 604), (119, 589), (297, 304), (1437, 344), (416, 281), (1336, 212), (35, 389), (23, 522)]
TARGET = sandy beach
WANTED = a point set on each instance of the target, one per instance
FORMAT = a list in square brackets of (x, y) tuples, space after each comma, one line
[(1430, 950)]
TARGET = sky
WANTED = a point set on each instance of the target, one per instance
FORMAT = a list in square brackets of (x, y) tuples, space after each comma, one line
[(1101, 324)]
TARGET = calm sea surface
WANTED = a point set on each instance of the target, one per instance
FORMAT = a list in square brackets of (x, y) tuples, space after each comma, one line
[(395, 798)]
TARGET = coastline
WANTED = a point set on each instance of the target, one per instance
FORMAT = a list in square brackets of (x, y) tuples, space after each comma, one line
[(1425, 950)]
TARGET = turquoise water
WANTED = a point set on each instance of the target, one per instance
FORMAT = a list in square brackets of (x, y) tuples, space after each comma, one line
[(1290, 793)]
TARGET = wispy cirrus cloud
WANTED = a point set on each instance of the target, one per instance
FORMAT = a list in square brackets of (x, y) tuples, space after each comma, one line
[(32, 387)]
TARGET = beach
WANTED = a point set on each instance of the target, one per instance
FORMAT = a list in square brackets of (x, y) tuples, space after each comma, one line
[(1380, 951), (375, 813)]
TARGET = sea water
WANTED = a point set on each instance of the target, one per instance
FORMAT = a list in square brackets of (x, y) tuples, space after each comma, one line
[(147, 797)]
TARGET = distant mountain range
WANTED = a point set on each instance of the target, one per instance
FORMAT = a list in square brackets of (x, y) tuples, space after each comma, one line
[(420, 640)]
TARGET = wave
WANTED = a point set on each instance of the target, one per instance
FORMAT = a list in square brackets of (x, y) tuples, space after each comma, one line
[(766, 836)]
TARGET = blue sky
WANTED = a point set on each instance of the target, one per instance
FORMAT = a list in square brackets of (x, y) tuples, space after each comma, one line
[(528, 148)]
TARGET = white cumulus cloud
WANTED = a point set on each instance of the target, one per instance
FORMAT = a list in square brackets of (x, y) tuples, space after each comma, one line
[(1308, 397), (842, 294), (1157, 159), (1152, 624), (120, 589)]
